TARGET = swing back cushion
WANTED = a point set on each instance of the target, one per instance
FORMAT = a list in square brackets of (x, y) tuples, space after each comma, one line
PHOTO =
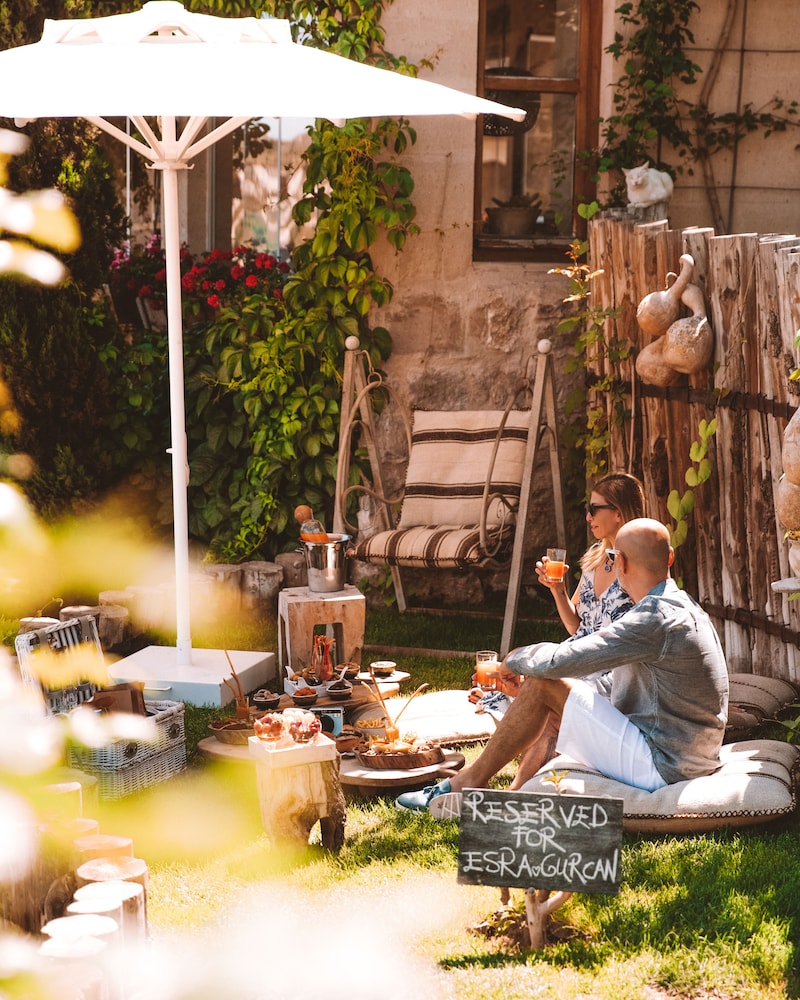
[(450, 460)]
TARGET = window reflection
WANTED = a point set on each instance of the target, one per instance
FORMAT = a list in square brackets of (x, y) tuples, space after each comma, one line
[(526, 170), (268, 176)]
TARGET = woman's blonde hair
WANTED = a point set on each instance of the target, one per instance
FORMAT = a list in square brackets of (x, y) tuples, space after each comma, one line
[(624, 492)]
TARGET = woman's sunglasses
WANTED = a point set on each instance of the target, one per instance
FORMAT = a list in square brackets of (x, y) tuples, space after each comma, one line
[(592, 508), (611, 555)]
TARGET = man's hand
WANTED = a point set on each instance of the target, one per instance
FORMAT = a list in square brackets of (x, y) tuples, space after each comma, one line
[(507, 681)]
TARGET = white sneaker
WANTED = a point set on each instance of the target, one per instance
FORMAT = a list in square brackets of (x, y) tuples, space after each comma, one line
[(446, 806)]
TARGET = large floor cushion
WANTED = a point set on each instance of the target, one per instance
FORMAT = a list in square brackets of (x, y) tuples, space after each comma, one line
[(755, 784), (445, 716)]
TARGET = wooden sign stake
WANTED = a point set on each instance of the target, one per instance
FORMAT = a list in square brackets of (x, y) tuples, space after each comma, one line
[(539, 904)]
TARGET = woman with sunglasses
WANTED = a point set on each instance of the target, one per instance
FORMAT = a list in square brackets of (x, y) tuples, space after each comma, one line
[(598, 598)]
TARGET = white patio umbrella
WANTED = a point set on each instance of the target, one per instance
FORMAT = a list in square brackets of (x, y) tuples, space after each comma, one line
[(148, 64)]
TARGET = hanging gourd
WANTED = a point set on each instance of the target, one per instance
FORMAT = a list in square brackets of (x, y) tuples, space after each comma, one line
[(689, 342), (651, 366), (658, 310)]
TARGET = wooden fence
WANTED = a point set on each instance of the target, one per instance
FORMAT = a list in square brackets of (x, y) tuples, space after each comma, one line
[(735, 549)]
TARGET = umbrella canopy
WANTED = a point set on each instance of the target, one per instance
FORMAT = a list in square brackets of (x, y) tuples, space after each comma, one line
[(141, 66)]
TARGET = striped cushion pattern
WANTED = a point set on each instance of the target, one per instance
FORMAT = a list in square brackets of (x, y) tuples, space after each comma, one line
[(442, 546), (449, 461), (439, 524)]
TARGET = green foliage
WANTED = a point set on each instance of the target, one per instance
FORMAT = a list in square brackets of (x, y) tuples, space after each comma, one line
[(52, 342), (792, 726), (262, 373), (680, 506), (62, 391)]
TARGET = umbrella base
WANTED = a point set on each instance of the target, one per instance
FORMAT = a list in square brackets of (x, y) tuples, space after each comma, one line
[(201, 683)]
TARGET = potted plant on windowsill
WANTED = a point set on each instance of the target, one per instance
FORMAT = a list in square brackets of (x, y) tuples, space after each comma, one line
[(518, 216)]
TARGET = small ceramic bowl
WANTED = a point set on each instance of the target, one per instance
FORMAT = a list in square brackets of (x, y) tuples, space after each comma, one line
[(383, 668), (264, 699), (339, 690), (304, 699)]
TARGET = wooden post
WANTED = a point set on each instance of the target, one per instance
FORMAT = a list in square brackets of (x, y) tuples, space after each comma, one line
[(539, 904), (130, 898), (732, 267), (357, 408), (542, 418)]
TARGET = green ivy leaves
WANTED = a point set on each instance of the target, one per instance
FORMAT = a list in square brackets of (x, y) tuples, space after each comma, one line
[(681, 506)]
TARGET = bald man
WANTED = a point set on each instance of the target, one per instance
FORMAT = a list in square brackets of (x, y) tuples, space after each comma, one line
[(665, 719)]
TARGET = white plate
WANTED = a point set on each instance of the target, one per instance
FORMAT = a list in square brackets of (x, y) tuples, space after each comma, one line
[(393, 678)]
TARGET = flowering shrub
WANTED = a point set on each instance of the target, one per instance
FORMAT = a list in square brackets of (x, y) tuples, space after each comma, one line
[(217, 279)]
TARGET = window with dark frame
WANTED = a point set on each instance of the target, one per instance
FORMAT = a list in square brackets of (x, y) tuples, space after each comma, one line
[(543, 56)]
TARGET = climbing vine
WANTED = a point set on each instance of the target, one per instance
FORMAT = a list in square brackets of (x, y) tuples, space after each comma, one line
[(681, 505), (283, 389), (602, 404)]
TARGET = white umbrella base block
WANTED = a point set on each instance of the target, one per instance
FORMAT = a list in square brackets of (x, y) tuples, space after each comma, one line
[(201, 683)]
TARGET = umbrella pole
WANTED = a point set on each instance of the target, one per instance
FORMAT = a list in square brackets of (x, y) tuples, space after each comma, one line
[(180, 463)]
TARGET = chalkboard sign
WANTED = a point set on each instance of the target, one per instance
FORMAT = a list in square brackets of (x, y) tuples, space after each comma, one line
[(535, 840)]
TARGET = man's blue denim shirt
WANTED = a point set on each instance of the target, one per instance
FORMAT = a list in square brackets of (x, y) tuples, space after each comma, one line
[(669, 676)]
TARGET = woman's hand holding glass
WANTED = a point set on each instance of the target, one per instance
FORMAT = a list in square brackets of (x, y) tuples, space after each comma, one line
[(555, 585)]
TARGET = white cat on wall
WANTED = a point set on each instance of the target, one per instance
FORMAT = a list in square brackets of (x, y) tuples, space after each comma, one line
[(647, 186)]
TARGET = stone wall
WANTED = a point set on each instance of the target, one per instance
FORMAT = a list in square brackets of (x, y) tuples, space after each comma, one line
[(462, 331)]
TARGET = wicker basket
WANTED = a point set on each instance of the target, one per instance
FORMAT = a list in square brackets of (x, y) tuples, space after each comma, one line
[(113, 784), (125, 766)]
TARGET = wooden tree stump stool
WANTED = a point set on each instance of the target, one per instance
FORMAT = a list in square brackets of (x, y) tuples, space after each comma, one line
[(129, 896), (116, 869), (103, 845), (298, 785), (300, 611)]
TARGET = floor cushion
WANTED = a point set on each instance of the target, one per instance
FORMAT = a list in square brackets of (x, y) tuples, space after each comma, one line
[(756, 784), (754, 699), (445, 716)]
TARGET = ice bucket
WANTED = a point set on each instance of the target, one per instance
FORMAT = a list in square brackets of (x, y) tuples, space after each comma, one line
[(327, 563)]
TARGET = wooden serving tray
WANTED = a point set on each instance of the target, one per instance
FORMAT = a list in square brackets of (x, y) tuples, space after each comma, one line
[(401, 761)]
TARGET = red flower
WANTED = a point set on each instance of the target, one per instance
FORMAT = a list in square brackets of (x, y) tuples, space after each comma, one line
[(145, 291), (221, 285), (213, 301), (237, 271), (251, 281)]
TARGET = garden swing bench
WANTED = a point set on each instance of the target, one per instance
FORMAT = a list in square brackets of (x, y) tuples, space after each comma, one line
[(468, 483)]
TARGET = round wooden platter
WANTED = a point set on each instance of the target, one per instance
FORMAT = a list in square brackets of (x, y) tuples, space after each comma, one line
[(401, 761), (368, 781)]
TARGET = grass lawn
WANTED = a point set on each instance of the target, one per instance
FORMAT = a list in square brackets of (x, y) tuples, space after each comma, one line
[(714, 915)]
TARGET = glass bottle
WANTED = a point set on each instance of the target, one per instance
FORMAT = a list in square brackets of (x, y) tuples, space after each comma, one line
[(311, 529)]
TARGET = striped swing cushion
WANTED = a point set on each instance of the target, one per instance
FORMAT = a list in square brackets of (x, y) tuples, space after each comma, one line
[(440, 519)]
